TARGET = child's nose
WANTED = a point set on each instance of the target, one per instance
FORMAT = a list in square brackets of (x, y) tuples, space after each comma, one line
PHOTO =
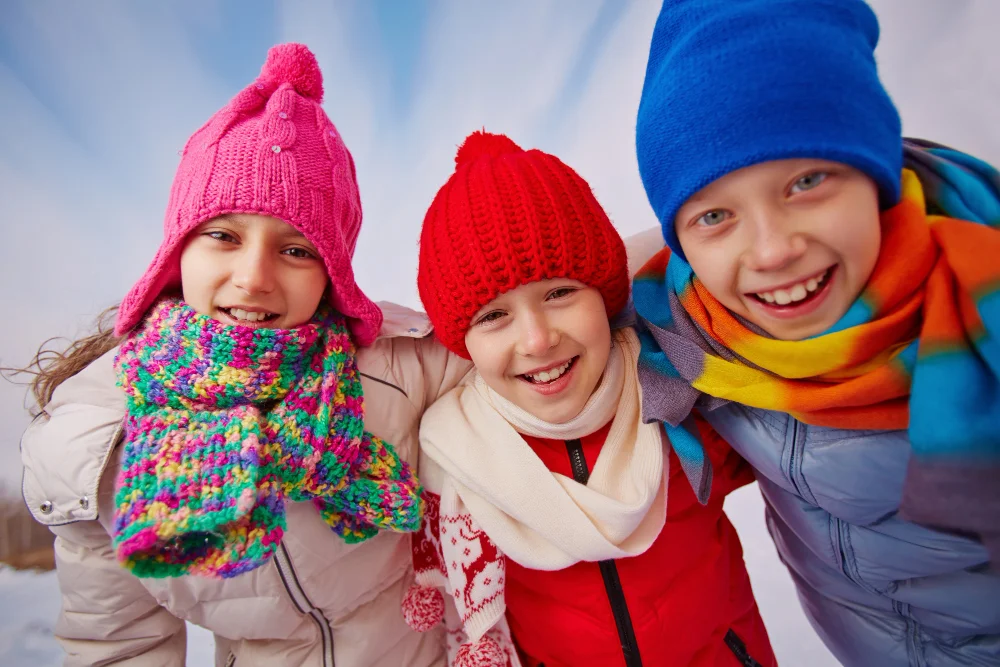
[(776, 242), (254, 272), (537, 336)]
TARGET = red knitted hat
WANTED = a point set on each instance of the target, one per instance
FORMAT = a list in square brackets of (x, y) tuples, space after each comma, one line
[(505, 218)]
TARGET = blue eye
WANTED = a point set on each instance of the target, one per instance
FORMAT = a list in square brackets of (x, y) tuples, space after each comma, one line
[(808, 182), (712, 218)]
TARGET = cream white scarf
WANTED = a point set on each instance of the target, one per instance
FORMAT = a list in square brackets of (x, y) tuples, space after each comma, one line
[(497, 497)]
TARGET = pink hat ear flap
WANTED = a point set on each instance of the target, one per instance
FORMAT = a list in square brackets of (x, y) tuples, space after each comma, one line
[(163, 272), (364, 315)]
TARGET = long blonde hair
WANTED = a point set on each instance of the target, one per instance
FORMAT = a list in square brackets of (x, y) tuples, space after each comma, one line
[(51, 366)]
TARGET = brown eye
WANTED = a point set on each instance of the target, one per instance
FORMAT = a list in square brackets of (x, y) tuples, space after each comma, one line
[(808, 182), (560, 292), (490, 317), (221, 236), (299, 253)]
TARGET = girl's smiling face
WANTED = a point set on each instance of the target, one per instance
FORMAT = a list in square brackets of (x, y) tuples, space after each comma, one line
[(252, 270), (543, 346), (786, 244)]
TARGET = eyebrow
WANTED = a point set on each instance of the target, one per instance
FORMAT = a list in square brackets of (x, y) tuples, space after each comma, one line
[(240, 222)]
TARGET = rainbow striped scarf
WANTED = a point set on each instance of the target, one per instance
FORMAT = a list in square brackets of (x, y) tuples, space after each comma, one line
[(919, 349), (226, 423)]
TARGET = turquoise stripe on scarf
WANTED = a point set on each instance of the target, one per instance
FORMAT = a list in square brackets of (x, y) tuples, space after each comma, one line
[(964, 422)]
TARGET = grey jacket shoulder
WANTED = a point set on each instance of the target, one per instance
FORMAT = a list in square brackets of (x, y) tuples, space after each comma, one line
[(65, 449)]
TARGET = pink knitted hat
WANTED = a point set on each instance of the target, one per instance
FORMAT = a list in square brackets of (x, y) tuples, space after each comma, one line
[(271, 151)]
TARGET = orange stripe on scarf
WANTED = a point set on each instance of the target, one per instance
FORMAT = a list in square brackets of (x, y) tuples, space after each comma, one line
[(857, 378)]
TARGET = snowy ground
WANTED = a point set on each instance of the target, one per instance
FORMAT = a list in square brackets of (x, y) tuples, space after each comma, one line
[(31, 602)]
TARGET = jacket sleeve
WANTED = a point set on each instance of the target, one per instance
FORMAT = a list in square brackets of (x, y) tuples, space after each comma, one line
[(641, 247), (442, 370), (730, 470), (108, 616)]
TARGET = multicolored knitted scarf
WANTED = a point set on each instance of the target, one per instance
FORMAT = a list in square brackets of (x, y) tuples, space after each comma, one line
[(919, 349), (226, 423)]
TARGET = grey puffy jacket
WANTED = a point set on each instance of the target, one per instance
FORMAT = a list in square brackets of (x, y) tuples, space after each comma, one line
[(880, 591)]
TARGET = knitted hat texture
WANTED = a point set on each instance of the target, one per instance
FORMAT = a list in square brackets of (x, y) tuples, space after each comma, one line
[(731, 83), (272, 151), (505, 218)]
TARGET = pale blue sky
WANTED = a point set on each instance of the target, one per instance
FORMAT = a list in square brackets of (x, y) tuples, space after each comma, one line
[(98, 96)]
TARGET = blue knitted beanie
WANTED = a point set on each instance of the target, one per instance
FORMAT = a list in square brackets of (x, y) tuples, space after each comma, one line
[(731, 83)]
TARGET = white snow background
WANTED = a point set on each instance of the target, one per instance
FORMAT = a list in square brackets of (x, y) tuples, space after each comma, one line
[(96, 98)]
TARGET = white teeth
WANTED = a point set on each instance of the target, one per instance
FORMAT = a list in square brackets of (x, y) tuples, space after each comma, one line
[(549, 375), (797, 292), (247, 316)]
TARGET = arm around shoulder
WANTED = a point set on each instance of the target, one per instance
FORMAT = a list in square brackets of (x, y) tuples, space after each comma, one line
[(641, 247), (437, 370), (731, 470), (443, 370)]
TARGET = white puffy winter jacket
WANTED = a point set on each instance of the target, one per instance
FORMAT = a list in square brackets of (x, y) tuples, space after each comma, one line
[(318, 603)]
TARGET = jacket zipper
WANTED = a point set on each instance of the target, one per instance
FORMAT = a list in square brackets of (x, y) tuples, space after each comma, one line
[(792, 476), (739, 649), (302, 602), (914, 647), (609, 572)]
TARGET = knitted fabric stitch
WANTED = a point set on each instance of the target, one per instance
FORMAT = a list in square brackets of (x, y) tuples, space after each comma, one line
[(732, 83), (505, 218), (918, 349), (270, 151), (226, 423)]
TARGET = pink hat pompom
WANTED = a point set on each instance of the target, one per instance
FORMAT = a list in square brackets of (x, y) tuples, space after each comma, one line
[(423, 607), (295, 64), (486, 652), (237, 162)]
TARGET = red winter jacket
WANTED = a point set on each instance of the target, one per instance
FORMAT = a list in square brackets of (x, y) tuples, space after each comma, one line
[(687, 600)]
